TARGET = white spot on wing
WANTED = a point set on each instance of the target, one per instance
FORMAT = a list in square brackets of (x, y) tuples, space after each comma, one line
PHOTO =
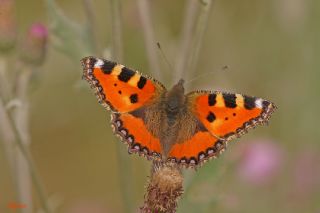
[(136, 147), (130, 140), (201, 156), (258, 103), (118, 123), (98, 63)]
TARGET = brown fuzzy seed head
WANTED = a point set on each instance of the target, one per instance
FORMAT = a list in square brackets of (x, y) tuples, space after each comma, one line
[(167, 178), (164, 189)]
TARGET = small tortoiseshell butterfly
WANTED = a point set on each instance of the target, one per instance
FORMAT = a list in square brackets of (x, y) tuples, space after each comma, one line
[(169, 125)]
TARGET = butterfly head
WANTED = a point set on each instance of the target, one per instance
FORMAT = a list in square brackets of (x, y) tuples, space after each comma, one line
[(175, 98)]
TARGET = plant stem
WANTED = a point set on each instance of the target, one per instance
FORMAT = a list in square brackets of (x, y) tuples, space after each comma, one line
[(90, 23), (124, 170), (8, 140), (117, 47), (21, 118), (185, 41), (4, 86), (149, 38), (7, 133), (15, 132), (25, 152), (201, 26)]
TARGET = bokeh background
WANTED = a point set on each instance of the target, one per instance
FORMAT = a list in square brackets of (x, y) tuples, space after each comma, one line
[(272, 51)]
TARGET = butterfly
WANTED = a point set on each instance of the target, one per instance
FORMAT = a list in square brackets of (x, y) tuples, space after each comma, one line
[(169, 125)]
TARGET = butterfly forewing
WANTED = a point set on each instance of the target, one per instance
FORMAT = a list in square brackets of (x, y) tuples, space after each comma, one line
[(226, 115), (119, 87)]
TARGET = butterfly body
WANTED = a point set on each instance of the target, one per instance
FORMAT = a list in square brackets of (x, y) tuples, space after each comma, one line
[(170, 125), (169, 118)]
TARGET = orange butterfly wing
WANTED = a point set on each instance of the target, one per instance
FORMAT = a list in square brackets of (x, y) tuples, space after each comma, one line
[(197, 149), (123, 91), (133, 131), (118, 87), (228, 115), (224, 116)]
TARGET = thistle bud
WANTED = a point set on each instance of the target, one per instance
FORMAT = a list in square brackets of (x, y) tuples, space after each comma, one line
[(7, 25), (33, 50)]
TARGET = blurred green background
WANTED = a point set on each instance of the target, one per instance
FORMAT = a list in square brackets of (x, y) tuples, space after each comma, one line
[(271, 49)]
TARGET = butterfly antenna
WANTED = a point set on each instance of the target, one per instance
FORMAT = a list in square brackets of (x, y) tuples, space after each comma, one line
[(224, 68), (164, 56)]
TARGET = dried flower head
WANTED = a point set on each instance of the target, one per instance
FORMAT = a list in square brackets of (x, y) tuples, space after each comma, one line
[(164, 189)]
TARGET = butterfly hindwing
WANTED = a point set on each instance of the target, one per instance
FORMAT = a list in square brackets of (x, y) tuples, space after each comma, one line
[(133, 131), (118, 87), (196, 150), (227, 115)]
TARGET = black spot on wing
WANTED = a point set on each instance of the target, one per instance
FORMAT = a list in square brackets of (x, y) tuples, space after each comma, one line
[(134, 98), (249, 102), (142, 81), (126, 74), (108, 66), (212, 99), (229, 100), (211, 117)]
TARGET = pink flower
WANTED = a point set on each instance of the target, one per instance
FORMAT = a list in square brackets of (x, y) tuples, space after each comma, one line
[(261, 162), (38, 31), (34, 46)]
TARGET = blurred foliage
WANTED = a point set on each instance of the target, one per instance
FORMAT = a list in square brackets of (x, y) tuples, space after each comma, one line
[(271, 49)]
